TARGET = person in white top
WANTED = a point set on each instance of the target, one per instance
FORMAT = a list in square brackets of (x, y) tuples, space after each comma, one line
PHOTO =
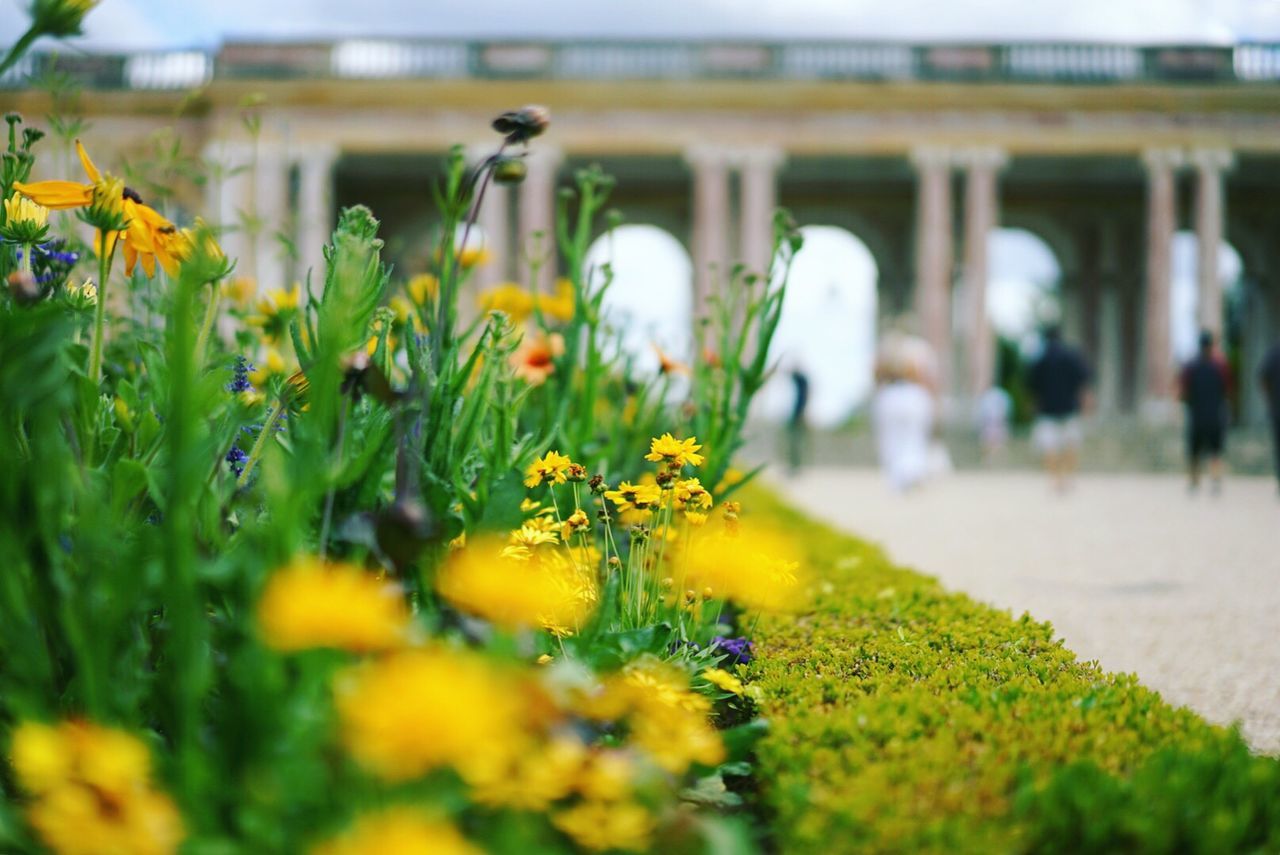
[(903, 411)]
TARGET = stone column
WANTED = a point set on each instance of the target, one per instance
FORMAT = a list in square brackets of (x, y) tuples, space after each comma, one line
[(1109, 355), (228, 196), (1161, 166), (316, 218), (759, 199), (980, 215), (269, 260), (934, 254), (537, 213), (1210, 164), (710, 220)]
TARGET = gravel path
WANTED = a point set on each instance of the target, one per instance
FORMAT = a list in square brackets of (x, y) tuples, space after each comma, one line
[(1131, 570)]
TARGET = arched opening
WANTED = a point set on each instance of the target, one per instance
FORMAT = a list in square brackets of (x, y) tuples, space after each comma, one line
[(1184, 302), (1023, 287), (650, 296), (827, 329)]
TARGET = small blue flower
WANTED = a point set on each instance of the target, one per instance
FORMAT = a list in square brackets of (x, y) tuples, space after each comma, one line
[(740, 650), (237, 458), (240, 376)]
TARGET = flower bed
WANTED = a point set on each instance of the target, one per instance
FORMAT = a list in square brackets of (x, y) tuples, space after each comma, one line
[(907, 718)]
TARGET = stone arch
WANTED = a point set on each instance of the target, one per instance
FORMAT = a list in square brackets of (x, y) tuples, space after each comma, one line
[(1184, 300), (650, 298), (828, 327), (1024, 281)]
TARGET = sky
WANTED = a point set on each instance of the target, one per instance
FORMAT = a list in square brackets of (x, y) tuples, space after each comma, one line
[(157, 24)]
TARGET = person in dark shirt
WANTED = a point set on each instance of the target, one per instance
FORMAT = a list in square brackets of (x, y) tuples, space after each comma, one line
[(1203, 387), (1269, 377), (797, 426), (1057, 382)]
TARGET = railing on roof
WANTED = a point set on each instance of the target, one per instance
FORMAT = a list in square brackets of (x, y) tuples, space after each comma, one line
[(389, 59)]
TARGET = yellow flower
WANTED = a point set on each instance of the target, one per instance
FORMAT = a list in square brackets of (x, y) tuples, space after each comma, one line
[(509, 298), (117, 211), (516, 587), (534, 360), (675, 452), (532, 536), (275, 311), (267, 368), (422, 709), (241, 290), (310, 603), (551, 468), (422, 287), (723, 680), (533, 779), (606, 776), (92, 789), (561, 306), (606, 825), (755, 568), (576, 522), (398, 831), (630, 496), (692, 496), (529, 505), (25, 221), (86, 291)]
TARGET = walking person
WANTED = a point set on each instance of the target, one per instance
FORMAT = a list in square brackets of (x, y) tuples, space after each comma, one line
[(1058, 381), (797, 424), (902, 415), (1269, 377), (1203, 386)]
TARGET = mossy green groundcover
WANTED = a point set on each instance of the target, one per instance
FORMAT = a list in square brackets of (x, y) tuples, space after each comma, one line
[(906, 718)]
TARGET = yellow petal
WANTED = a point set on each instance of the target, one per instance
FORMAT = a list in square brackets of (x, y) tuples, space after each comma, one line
[(56, 194), (130, 258), (89, 168)]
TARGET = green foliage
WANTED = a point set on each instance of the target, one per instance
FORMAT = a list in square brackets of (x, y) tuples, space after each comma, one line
[(906, 718)]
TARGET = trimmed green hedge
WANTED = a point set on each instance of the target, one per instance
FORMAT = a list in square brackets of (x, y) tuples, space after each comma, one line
[(905, 718)]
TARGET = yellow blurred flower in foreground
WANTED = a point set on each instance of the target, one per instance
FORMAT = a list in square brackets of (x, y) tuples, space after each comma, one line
[(310, 603), (398, 831), (422, 709), (533, 778), (92, 789), (515, 587), (551, 468), (757, 569), (676, 453), (607, 825)]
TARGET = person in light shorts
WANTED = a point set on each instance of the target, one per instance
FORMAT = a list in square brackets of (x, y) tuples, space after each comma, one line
[(1057, 436), (1058, 381)]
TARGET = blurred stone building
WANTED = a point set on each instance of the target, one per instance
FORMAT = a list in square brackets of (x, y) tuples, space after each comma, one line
[(1102, 151)]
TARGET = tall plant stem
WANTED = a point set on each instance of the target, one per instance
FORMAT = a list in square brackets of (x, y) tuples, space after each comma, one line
[(210, 315), (100, 312)]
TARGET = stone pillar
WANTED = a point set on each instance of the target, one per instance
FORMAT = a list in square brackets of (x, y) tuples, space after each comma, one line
[(933, 254), (1109, 358), (1161, 166), (228, 197), (1210, 164), (980, 216), (759, 199), (494, 221), (271, 192), (316, 218), (537, 213), (710, 220)]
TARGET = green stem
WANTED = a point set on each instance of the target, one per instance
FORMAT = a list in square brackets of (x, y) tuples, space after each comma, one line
[(24, 42), (260, 444), (100, 313), (210, 315)]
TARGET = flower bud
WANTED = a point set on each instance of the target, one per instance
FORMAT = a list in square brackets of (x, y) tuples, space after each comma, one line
[(510, 170), (524, 124)]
